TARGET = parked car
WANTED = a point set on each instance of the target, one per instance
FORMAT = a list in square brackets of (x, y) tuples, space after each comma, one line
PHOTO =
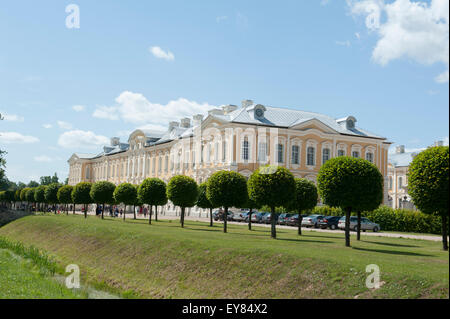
[(240, 216), (254, 212), (366, 224), (218, 215), (328, 222), (256, 217), (282, 219), (267, 219), (311, 220)]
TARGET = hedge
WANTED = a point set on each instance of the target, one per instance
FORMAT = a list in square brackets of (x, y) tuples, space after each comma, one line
[(405, 220)]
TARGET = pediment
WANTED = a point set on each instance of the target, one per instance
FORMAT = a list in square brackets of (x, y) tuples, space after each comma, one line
[(313, 124)]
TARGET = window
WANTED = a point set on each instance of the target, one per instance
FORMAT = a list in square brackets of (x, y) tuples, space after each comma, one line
[(166, 164), (262, 152), (325, 155), (280, 150), (224, 151), (216, 152), (160, 164), (193, 158), (390, 182), (295, 155), (341, 153), (355, 154), (245, 149), (400, 182), (153, 165), (369, 157), (311, 155)]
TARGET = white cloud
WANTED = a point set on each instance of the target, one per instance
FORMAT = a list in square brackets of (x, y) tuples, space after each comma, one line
[(12, 117), (78, 139), (343, 43), (221, 18), (46, 159), (161, 54), (14, 137), (78, 108), (415, 30), (106, 112), (64, 125), (47, 126), (137, 109)]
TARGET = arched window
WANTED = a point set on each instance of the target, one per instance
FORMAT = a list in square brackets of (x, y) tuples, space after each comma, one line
[(295, 155), (280, 153), (311, 156), (245, 149), (325, 155), (262, 152), (400, 182), (224, 151), (355, 154), (390, 182), (341, 153), (369, 157)]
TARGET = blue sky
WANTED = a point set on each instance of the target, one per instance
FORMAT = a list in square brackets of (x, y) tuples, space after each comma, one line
[(140, 64)]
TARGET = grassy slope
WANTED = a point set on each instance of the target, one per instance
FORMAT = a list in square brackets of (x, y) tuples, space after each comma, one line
[(19, 279), (165, 261)]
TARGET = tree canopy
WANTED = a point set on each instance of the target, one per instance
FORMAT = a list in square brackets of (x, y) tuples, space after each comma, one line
[(125, 193), (102, 192), (182, 191), (39, 194), (153, 191), (51, 193), (65, 194)]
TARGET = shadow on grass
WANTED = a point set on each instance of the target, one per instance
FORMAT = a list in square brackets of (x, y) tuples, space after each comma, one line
[(306, 240), (393, 252), (389, 244)]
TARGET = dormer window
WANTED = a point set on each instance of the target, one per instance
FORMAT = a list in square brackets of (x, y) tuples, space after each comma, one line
[(257, 111), (347, 122)]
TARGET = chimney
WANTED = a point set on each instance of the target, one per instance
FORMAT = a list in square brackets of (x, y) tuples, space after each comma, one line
[(246, 103), (115, 141), (229, 108), (198, 118), (172, 125), (185, 122), (439, 143), (400, 149)]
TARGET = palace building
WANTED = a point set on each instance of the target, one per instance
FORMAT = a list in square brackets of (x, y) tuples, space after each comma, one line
[(232, 138)]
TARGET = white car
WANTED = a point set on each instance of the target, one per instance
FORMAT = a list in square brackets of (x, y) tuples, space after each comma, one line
[(311, 220)]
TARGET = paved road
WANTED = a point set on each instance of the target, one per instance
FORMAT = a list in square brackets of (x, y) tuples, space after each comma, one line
[(379, 234)]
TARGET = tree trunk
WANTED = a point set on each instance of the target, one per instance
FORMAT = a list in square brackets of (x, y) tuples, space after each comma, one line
[(134, 214), (182, 217), (156, 213), (67, 209), (273, 231), (210, 218), (300, 219), (225, 217), (347, 226), (444, 232), (103, 210), (74, 208), (125, 208), (85, 211), (358, 234), (150, 215), (250, 219)]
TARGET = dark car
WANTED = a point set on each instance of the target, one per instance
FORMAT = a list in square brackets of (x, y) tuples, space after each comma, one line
[(282, 219), (293, 220), (328, 222), (218, 215)]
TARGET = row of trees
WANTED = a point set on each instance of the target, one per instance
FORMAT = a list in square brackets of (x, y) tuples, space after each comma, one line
[(352, 184)]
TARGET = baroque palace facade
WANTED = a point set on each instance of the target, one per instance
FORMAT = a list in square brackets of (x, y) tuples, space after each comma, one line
[(232, 138)]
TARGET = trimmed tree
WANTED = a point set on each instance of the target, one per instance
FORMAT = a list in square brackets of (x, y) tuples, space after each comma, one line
[(203, 201), (65, 196), (23, 195), (182, 191), (39, 195), (353, 184), (273, 186), (125, 193), (305, 198), (227, 189), (81, 195), (251, 205), (51, 194), (29, 196), (153, 191), (16, 198), (428, 180), (102, 192)]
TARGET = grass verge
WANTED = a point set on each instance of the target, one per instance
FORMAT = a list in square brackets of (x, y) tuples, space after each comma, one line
[(164, 261)]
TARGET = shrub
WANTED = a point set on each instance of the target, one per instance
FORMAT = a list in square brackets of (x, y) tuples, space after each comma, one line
[(182, 191), (153, 191)]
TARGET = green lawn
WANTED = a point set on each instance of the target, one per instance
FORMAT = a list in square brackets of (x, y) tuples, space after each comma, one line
[(20, 278), (162, 260)]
